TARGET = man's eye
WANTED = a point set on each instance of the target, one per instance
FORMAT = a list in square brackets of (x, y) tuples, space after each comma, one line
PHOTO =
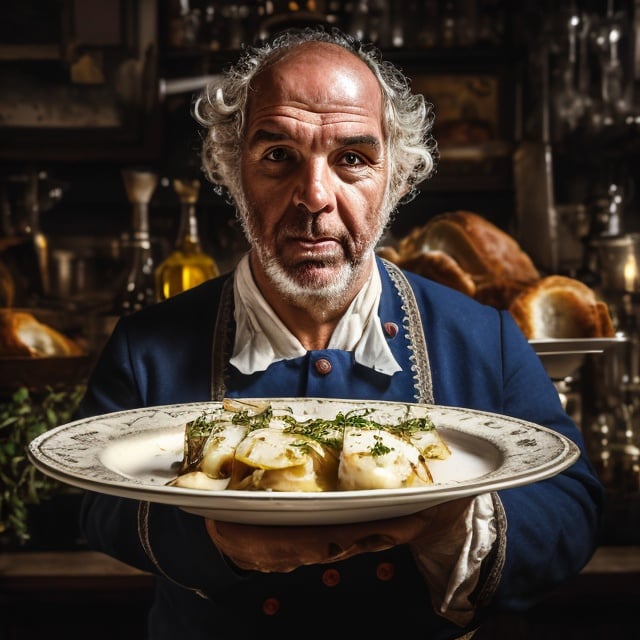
[(277, 155), (352, 159)]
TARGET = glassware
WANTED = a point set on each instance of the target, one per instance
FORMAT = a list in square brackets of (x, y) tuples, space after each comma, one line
[(187, 265), (139, 289)]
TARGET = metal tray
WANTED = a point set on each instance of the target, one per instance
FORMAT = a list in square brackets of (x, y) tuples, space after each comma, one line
[(563, 357)]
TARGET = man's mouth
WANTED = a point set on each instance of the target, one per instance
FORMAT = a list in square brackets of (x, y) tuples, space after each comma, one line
[(313, 244)]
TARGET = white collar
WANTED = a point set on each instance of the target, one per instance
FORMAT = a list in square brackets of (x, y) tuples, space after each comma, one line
[(262, 338)]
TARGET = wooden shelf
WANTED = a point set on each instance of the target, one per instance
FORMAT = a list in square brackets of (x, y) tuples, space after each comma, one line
[(68, 569), (22, 52)]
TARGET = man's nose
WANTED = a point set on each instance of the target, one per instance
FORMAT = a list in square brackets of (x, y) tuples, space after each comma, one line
[(314, 189)]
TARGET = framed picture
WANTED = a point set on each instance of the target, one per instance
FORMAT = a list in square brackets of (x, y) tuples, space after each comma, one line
[(466, 107), (473, 127)]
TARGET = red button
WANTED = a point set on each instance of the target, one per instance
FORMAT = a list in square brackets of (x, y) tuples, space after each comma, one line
[(385, 571), (270, 606), (323, 366), (391, 329), (331, 577)]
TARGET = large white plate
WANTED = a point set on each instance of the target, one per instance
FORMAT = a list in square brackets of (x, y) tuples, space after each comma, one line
[(135, 453)]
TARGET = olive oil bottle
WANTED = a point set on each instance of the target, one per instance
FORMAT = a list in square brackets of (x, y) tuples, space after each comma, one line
[(187, 265)]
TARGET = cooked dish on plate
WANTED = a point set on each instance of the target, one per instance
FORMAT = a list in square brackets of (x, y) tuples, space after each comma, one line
[(254, 446)]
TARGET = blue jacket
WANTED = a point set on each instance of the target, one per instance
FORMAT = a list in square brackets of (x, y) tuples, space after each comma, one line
[(453, 351)]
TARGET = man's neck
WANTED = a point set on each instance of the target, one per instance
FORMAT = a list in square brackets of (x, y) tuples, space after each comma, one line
[(312, 326)]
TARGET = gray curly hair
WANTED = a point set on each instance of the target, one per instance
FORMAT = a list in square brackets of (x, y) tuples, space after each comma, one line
[(408, 118)]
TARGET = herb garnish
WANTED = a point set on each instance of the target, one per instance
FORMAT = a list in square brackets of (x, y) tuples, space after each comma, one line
[(328, 432), (379, 448)]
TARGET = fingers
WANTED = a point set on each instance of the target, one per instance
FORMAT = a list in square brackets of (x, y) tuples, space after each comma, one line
[(270, 549), (283, 549)]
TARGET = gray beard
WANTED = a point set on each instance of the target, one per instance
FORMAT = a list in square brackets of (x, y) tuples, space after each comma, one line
[(332, 295)]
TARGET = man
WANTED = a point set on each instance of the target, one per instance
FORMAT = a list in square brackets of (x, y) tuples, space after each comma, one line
[(316, 142)]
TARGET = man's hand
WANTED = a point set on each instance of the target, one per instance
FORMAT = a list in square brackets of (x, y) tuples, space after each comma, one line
[(284, 548)]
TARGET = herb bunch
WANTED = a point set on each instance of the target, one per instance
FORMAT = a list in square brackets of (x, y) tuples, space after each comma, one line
[(24, 416)]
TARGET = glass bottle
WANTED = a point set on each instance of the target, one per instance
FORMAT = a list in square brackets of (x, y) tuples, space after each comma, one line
[(187, 265), (139, 289)]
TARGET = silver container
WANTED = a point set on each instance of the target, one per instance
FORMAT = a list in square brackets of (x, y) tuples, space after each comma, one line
[(618, 260)]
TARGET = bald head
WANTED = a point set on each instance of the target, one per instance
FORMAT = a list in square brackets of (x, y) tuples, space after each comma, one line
[(322, 78)]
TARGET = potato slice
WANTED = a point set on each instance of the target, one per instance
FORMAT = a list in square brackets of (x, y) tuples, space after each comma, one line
[(430, 444), (274, 449), (199, 480)]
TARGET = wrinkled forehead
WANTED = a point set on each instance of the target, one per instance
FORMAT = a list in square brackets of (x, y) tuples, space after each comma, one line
[(319, 74)]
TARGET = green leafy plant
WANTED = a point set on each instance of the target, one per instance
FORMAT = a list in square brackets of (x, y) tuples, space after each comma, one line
[(24, 416)]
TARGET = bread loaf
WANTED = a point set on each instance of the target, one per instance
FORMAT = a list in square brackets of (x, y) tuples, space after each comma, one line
[(22, 335), (561, 307), (480, 248), (465, 251), (441, 267)]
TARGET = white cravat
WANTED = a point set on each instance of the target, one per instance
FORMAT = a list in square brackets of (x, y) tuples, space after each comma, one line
[(262, 338)]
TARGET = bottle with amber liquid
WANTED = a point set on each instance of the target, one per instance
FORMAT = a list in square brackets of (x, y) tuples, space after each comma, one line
[(187, 265)]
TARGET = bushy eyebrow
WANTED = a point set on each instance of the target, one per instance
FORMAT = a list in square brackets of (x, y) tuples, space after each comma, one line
[(370, 141), (262, 135)]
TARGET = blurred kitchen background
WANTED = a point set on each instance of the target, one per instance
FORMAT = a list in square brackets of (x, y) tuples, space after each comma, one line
[(536, 103)]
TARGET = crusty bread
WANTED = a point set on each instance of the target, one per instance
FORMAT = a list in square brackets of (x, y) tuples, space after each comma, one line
[(441, 267), (498, 292), (22, 335), (465, 251), (480, 248), (389, 253), (561, 307)]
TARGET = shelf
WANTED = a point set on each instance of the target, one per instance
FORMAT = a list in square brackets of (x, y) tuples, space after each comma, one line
[(22, 52)]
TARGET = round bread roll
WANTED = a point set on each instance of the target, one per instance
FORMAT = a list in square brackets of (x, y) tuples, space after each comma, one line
[(561, 307), (22, 335)]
